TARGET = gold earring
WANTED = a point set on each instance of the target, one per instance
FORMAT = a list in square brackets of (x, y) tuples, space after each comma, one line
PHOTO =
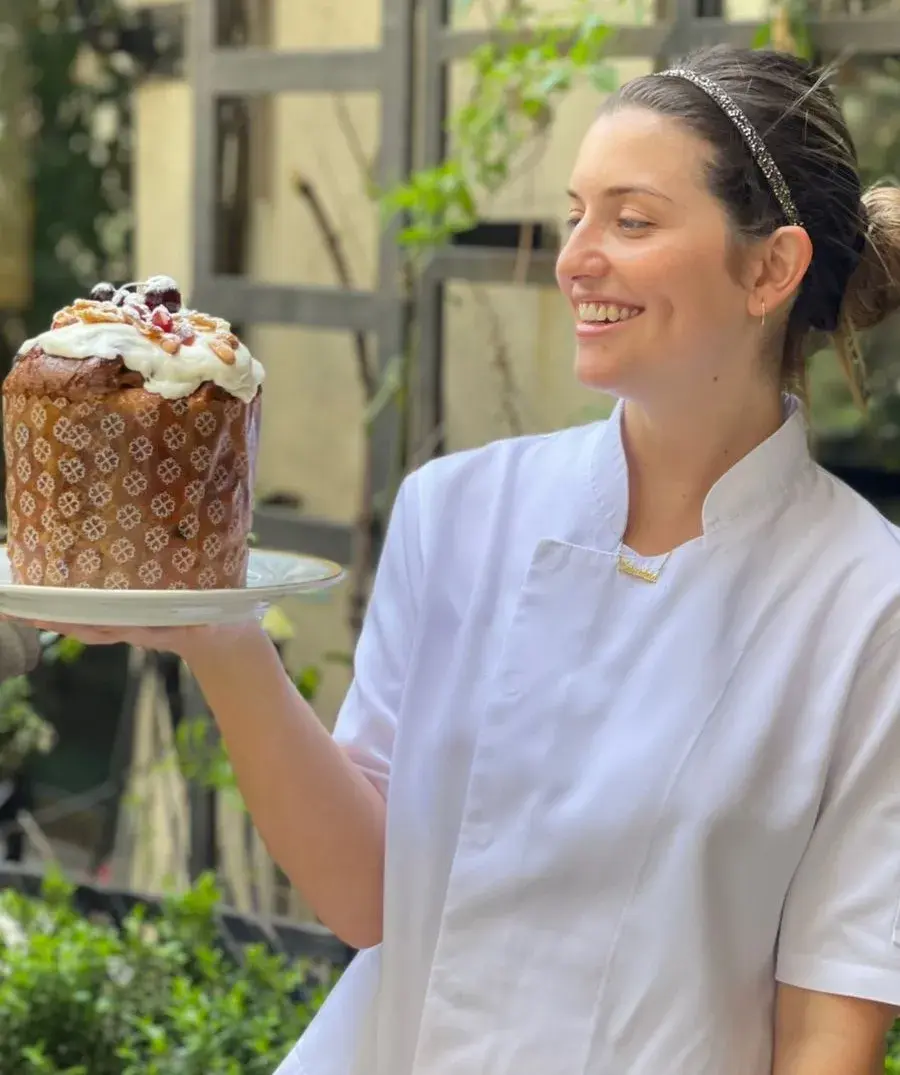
[(762, 320)]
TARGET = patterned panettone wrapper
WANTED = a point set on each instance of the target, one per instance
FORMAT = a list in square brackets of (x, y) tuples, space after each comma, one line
[(132, 491)]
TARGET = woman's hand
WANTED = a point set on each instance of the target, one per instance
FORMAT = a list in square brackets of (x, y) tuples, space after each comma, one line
[(186, 642)]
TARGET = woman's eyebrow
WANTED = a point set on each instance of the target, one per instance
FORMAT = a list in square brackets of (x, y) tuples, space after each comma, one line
[(619, 191)]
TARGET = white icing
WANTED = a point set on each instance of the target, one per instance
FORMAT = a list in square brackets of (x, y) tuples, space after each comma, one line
[(170, 376)]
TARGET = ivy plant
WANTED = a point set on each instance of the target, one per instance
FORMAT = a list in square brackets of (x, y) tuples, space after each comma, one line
[(519, 78)]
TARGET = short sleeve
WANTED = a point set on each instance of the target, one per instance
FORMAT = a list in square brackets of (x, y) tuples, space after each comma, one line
[(367, 721), (841, 923)]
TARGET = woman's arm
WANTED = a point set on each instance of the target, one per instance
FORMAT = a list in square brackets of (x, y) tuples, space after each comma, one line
[(823, 1034), (321, 819)]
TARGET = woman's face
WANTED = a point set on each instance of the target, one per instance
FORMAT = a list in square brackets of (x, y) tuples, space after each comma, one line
[(650, 263)]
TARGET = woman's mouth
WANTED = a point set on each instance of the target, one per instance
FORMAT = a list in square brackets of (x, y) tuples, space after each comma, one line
[(596, 317)]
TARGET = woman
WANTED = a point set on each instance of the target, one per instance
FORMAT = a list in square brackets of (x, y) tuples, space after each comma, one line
[(616, 788)]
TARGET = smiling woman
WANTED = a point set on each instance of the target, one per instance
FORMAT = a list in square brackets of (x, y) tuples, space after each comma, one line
[(616, 778), (682, 138)]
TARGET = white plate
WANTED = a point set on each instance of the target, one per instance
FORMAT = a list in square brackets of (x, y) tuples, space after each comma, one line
[(271, 576)]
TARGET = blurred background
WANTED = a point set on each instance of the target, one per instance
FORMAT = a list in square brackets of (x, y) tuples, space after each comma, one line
[(372, 193)]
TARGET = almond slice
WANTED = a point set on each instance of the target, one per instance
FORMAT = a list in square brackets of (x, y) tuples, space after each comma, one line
[(99, 317), (222, 351)]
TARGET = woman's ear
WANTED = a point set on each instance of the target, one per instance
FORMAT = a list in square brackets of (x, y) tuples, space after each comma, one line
[(776, 270)]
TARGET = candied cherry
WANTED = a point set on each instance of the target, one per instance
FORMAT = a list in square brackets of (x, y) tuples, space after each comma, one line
[(162, 291), (103, 292)]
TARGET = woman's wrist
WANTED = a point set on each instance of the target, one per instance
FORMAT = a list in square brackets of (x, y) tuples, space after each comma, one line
[(206, 647)]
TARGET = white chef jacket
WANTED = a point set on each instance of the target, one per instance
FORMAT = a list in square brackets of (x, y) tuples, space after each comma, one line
[(619, 811)]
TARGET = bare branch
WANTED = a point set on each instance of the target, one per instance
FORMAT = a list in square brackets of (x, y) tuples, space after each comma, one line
[(354, 142), (364, 529), (332, 241), (500, 352)]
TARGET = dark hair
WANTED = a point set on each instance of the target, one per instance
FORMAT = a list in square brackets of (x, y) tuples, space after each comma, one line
[(852, 280)]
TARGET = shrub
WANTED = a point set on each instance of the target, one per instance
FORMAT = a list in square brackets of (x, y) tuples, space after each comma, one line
[(158, 995), (892, 1061)]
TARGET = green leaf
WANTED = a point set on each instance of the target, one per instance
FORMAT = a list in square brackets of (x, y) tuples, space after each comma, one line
[(604, 78), (559, 78), (65, 650), (763, 37), (590, 41), (802, 39), (308, 682)]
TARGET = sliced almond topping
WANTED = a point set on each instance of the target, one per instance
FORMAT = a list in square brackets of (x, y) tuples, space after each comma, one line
[(170, 344), (98, 316), (223, 351), (151, 331)]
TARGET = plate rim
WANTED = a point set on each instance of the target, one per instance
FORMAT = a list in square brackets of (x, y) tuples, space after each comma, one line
[(335, 573)]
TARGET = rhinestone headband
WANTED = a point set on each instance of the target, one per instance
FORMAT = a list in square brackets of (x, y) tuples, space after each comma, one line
[(755, 144)]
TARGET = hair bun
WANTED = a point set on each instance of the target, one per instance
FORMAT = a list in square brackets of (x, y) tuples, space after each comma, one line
[(873, 291)]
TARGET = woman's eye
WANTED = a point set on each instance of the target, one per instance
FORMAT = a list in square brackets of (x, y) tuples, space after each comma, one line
[(632, 224), (625, 223)]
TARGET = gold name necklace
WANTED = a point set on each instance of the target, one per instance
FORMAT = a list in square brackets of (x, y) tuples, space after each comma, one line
[(628, 566)]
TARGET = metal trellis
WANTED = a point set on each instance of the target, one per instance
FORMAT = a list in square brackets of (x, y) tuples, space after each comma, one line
[(219, 72)]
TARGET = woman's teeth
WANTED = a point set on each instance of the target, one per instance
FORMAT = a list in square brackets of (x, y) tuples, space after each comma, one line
[(592, 311)]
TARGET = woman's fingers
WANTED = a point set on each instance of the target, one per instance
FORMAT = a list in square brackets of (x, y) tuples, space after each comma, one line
[(169, 639), (100, 636)]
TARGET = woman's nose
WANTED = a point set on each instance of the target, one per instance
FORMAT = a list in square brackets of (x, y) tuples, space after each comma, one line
[(582, 255)]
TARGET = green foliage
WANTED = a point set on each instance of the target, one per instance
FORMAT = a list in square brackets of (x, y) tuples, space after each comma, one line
[(518, 80), (65, 650), (156, 997), (892, 1060), (787, 30), (23, 731)]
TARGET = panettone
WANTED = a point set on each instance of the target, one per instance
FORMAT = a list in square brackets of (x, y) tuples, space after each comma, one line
[(131, 430)]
